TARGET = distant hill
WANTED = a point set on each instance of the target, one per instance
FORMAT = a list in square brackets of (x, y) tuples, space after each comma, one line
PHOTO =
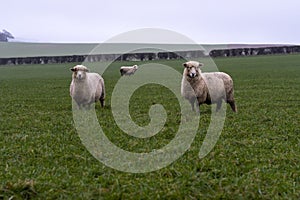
[(23, 49), (239, 46)]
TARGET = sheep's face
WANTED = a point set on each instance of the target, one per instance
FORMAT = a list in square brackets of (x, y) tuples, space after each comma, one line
[(192, 69), (79, 72), (134, 67)]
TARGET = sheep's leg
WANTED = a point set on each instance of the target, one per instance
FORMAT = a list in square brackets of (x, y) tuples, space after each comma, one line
[(233, 106), (198, 108), (219, 105), (192, 102), (88, 106), (84, 107), (101, 99), (77, 107), (102, 102)]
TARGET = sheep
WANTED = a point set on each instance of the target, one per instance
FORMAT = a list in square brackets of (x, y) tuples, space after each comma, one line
[(86, 88), (126, 70), (207, 88)]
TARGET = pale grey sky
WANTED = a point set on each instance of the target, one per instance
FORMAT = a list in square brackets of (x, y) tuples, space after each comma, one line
[(206, 22)]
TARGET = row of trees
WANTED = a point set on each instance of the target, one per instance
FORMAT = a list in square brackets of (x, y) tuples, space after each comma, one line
[(100, 57), (255, 51)]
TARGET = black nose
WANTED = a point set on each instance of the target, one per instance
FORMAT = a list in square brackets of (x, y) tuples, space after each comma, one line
[(193, 75)]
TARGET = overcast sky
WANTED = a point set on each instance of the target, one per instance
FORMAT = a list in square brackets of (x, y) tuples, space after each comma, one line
[(204, 21)]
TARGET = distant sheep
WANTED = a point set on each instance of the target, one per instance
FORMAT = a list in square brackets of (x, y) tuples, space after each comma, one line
[(199, 84), (126, 70), (86, 88)]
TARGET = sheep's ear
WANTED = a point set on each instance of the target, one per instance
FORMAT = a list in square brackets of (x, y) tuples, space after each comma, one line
[(200, 65), (184, 64), (72, 69), (86, 70)]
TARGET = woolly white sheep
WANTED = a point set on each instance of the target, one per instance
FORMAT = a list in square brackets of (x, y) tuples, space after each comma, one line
[(86, 88), (206, 87), (126, 70)]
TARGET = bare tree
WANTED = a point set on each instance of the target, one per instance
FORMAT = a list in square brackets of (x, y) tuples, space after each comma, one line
[(4, 35)]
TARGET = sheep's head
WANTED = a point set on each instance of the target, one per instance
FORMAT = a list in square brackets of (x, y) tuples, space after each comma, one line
[(192, 68), (79, 72), (135, 67)]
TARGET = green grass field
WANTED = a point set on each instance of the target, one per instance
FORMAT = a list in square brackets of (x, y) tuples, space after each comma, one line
[(256, 157)]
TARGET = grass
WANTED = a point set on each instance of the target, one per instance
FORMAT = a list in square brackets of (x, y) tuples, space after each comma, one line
[(256, 156)]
